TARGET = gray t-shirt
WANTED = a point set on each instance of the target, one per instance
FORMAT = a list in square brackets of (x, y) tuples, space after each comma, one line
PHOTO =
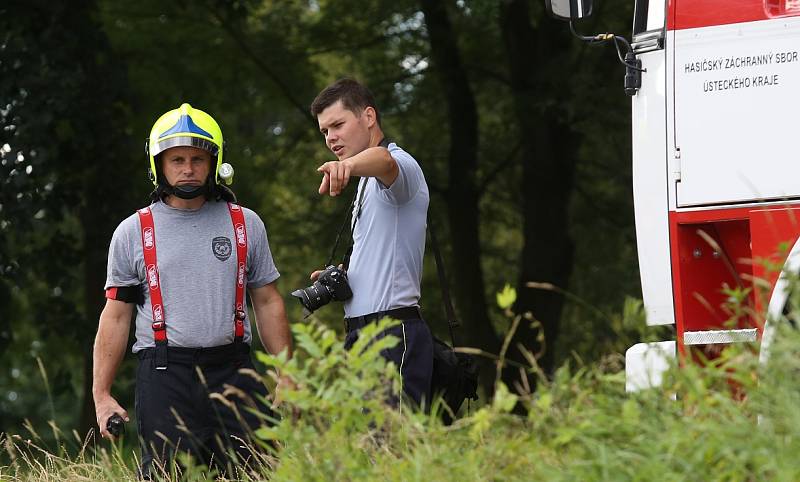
[(389, 240), (196, 253)]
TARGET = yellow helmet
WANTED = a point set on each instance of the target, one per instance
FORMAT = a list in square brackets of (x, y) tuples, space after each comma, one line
[(184, 126)]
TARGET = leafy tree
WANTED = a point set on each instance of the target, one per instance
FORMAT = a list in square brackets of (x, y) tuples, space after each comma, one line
[(65, 151)]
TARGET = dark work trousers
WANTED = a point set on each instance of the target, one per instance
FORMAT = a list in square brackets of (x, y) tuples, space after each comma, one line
[(175, 411), (413, 356)]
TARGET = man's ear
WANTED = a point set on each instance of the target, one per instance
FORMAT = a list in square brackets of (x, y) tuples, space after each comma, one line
[(371, 116)]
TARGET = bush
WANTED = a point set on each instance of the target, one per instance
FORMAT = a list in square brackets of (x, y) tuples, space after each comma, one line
[(722, 421), (728, 420)]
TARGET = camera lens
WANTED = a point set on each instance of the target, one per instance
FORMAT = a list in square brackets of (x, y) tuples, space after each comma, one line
[(313, 297)]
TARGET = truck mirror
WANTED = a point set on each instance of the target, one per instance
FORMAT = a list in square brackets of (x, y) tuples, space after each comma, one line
[(569, 9)]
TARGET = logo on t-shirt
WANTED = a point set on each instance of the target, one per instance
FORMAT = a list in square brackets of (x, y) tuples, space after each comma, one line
[(221, 246)]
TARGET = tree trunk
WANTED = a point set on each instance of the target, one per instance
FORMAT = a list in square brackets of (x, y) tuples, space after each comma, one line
[(462, 191), (548, 162)]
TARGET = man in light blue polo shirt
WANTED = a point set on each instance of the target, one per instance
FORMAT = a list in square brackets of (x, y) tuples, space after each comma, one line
[(390, 222)]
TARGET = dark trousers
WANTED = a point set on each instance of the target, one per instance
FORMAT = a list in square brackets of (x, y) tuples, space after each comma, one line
[(413, 356), (176, 412)]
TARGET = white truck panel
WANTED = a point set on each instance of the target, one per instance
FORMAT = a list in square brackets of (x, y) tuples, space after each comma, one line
[(650, 185), (736, 104)]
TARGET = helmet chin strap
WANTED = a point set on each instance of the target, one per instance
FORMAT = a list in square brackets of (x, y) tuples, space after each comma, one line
[(188, 192)]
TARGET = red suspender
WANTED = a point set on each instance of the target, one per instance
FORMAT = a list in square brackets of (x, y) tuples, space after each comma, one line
[(154, 281), (151, 274), (240, 232)]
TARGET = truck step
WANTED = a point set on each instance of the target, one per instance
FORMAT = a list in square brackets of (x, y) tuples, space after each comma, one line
[(720, 336)]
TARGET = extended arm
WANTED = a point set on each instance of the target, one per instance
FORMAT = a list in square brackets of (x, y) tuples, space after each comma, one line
[(109, 349), (371, 162)]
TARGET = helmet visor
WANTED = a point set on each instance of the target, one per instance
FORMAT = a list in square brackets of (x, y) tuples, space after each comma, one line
[(185, 141)]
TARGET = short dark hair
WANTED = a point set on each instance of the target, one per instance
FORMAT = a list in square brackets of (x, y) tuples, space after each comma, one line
[(354, 96)]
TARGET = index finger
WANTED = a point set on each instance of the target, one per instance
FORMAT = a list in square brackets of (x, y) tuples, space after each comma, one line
[(325, 184)]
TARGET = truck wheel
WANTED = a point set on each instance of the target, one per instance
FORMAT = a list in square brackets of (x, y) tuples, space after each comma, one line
[(779, 302)]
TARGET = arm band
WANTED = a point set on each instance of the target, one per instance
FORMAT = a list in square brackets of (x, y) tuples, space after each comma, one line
[(128, 294)]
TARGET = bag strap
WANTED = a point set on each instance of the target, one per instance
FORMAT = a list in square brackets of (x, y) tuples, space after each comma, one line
[(159, 324), (450, 312), (240, 231)]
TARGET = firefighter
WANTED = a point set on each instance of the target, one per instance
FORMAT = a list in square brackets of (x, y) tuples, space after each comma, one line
[(182, 265)]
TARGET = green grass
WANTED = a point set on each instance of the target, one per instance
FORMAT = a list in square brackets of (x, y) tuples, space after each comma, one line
[(730, 420)]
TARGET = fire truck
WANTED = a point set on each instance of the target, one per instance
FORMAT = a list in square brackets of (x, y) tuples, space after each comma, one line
[(715, 88)]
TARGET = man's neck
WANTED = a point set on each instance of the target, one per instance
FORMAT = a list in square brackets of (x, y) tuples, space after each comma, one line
[(186, 204), (375, 136)]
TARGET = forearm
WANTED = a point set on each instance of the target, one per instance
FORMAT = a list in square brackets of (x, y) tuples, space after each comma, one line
[(373, 162), (273, 326), (109, 350)]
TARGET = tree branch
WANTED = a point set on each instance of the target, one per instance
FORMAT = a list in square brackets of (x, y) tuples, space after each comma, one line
[(284, 88), (500, 167)]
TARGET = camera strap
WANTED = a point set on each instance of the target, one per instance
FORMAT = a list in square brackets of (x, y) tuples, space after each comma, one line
[(358, 203), (354, 211), (345, 222)]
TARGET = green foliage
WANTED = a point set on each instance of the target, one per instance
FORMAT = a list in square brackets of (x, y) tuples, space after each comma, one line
[(329, 378), (507, 297), (344, 422), (732, 419)]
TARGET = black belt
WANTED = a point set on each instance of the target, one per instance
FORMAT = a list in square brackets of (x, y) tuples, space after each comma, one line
[(215, 355), (357, 322)]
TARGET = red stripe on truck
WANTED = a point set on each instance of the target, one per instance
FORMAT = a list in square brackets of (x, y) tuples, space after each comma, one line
[(685, 14)]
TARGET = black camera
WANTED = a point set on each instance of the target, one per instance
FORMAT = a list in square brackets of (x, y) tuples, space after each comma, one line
[(331, 285)]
